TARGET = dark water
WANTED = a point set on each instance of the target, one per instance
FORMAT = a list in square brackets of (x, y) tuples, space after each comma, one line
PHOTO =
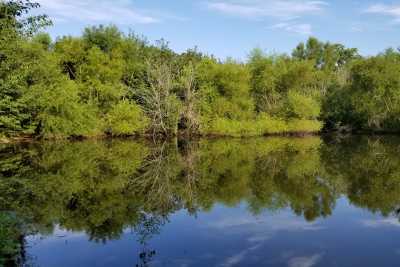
[(296, 202)]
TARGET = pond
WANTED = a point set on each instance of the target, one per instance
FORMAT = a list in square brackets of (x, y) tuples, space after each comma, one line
[(295, 202)]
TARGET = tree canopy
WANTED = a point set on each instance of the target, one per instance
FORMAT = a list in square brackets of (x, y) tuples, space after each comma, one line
[(107, 82)]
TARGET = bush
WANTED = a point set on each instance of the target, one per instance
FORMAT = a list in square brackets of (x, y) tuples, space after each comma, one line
[(304, 126), (375, 91), (126, 118), (59, 113), (302, 107)]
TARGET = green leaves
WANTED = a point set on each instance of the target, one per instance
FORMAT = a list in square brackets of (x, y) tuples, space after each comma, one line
[(126, 118), (60, 113), (325, 56), (14, 19), (108, 82), (375, 91), (302, 107), (106, 38)]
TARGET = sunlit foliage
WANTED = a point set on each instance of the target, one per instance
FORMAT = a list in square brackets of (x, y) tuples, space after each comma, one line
[(80, 86)]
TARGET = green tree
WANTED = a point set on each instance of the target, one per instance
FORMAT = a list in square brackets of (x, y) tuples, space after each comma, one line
[(107, 38), (101, 79), (15, 60), (375, 85)]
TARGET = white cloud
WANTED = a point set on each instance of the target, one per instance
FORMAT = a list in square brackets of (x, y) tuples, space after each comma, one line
[(280, 9), (94, 11), (58, 235), (308, 261), (283, 12), (303, 29), (392, 11), (267, 225), (381, 222), (260, 237), (236, 222), (235, 259), (260, 229), (239, 257), (356, 28)]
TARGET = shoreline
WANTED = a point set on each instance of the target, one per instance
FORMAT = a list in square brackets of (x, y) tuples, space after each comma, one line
[(183, 136)]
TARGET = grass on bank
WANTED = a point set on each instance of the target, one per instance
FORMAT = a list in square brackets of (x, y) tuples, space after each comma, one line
[(261, 127)]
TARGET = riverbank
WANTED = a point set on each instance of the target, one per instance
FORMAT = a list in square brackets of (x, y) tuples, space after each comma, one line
[(215, 129)]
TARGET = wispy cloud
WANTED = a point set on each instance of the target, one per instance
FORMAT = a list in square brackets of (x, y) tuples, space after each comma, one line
[(356, 28), (381, 222), (283, 12), (267, 225), (260, 229), (392, 11), (256, 9), (120, 12), (234, 259), (303, 29), (307, 261), (239, 257)]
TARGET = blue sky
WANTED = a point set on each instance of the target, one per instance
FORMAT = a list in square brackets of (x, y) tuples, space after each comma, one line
[(233, 27)]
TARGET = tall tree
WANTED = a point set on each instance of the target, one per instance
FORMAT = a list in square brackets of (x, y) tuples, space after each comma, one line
[(16, 58)]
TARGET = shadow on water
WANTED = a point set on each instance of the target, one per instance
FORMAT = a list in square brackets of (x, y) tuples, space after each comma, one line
[(105, 187)]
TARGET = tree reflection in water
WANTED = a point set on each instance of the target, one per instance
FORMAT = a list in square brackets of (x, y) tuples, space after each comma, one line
[(105, 187)]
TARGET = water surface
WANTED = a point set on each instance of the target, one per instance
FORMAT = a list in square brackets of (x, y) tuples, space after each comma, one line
[(296, 202)]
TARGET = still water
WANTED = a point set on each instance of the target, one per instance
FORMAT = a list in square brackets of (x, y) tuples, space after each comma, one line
[(295, 202)]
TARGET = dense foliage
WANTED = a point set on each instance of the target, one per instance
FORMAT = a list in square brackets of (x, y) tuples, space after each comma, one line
[(108, 82), (10, 240)]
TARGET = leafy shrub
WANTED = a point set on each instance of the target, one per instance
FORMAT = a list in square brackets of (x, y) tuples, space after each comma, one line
[(126, 118), (304, 126), (302, 107), (59, 111)]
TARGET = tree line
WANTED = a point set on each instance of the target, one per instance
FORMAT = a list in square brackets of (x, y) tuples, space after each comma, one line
[(106, 82)]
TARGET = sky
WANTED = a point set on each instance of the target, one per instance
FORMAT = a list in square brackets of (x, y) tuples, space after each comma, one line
[(232, 28)]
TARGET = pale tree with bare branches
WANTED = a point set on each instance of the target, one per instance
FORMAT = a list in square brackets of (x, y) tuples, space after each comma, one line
[(190, 119), (160, 102)]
